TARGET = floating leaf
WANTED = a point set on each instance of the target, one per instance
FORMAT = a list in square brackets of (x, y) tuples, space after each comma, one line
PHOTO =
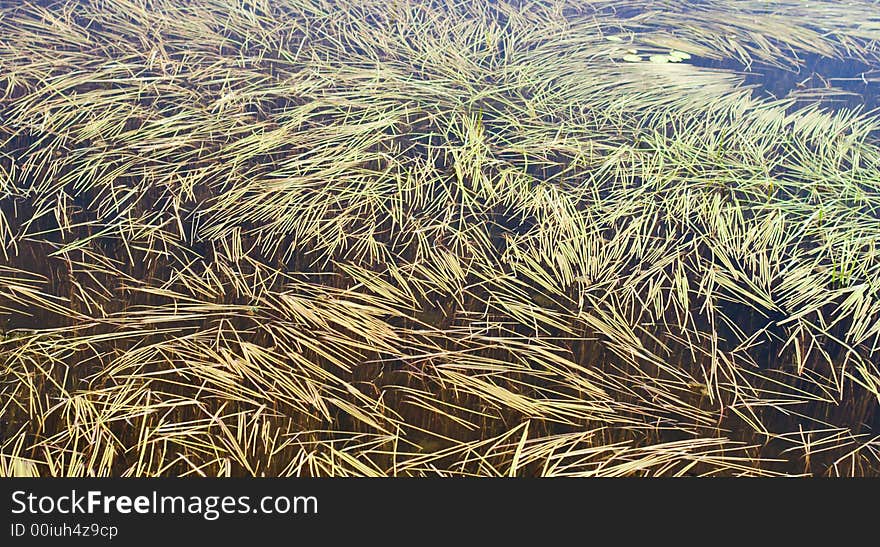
[(614, 38), (658, 59), (680, 55), (632, 58)]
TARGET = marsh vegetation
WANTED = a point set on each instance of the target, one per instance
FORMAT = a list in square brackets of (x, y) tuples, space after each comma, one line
[(412, 238)]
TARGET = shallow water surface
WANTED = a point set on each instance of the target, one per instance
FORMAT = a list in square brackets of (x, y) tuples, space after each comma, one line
[(294, 237)]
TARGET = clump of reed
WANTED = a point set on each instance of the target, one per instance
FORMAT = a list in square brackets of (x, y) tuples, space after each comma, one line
[(315, 237)]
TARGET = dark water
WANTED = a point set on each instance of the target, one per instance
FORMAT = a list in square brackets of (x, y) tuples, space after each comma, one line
[(833, 83)]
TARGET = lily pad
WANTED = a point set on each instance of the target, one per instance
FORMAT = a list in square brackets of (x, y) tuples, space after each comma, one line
[(632, 58), (679, 55), (614, 38), (660, 59)]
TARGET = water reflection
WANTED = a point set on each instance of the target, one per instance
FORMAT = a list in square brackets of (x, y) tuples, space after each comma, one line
[(833, 83)]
